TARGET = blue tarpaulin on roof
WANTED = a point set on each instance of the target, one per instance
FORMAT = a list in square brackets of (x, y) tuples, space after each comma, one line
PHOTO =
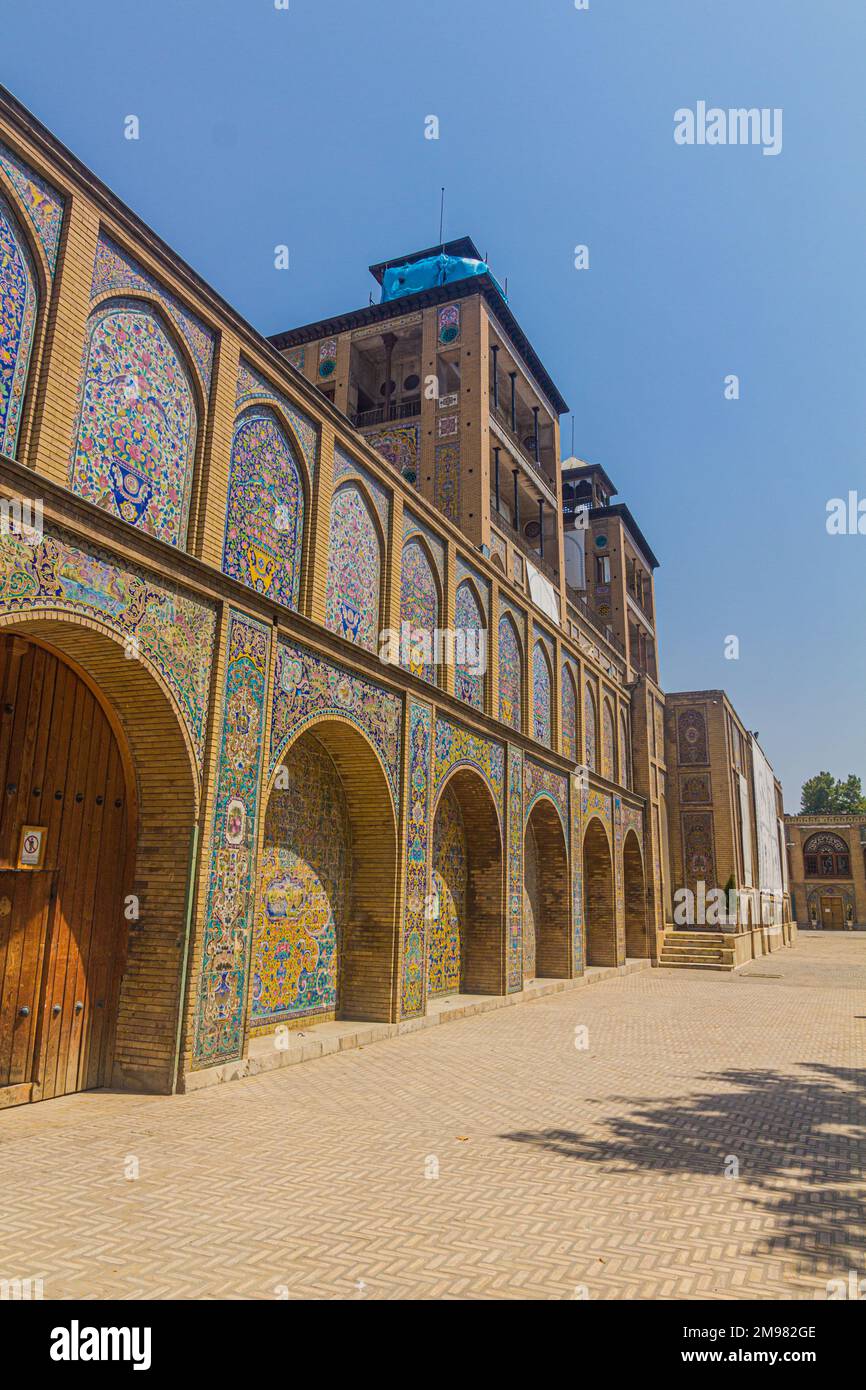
[(430, 273)]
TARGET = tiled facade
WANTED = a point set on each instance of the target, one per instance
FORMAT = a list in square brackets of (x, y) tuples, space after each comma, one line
[(322, 830)]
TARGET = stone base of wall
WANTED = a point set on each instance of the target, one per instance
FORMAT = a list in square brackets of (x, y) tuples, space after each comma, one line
[(322, 1040)]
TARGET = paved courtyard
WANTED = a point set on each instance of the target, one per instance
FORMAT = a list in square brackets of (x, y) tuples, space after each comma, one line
[(485, 1158)]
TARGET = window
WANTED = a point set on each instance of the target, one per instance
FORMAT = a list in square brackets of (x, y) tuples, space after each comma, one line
[(826, 856), (602, 569)]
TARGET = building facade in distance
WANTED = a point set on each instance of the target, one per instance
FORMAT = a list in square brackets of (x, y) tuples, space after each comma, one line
[(827, 859)]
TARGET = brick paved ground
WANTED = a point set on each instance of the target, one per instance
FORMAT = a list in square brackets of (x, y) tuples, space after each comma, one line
[(558, 1167)]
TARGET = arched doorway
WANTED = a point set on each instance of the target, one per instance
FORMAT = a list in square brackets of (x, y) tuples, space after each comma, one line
[(324, 941), (545, 895), (466, 930), (598, 896), (636, 935), (67, 826)]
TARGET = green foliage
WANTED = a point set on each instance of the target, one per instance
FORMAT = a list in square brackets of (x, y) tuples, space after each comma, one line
[(822, 793)]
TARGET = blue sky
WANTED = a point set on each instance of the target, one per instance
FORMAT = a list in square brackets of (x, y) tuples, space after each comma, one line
[(306, 127)]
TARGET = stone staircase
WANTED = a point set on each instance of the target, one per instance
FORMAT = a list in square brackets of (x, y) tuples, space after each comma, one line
[(697, 950)]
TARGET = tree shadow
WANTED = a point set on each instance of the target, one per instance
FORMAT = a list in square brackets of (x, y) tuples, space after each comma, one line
[(799, 1140)]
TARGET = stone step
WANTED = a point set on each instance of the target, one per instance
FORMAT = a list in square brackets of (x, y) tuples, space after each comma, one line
[(681, 964), (715, 951)]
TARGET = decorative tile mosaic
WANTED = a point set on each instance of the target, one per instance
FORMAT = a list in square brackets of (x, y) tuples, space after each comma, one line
[(449, 323), (498, 552), (457, 747), (595, 803), (295, 358), (264, 533), (510, 674), (43, 204), (569, 713), (698, 847), (345, 467), (354, 570), (624, 751), (619, 903), (419, 611), (541, 696), (576, 808), (446, 480), (447, 924), (18, 305), (532, 918), (135, 435), (307, 688), (589, 730), (413, 527), (229, 908), (327, 357), (173, 631), (252, 387), (417, 845), (304, 890), (632, 819), (399, 444), (468, 679), (515, 870), (696, 789), (446, 425), (692, 743), (114, 271), (539, 781)]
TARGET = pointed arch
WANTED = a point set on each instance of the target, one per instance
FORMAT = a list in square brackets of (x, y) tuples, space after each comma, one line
[(569, 713), (599, 910), (542, 694), (634, 898), (545, 893), (19, 308), (624, 751), (608, 741), (510, 673), (466, 940), (590, 729), (266, 506), (470, 635), (137, 427), (420, 600), (355, 550)]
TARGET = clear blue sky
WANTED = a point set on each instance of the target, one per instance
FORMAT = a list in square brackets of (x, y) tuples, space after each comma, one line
[(305, 127)]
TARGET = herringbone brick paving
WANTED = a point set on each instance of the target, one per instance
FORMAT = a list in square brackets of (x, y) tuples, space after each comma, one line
[(559, 1170)]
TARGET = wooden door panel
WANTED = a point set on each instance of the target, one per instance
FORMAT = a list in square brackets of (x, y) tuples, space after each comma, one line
[(61, 768)]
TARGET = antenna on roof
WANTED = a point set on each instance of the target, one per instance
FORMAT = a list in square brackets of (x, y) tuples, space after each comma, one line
[(572, 436), (441, 217)]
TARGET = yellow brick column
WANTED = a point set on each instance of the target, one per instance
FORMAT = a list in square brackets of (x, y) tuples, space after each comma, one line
[(448, 613), (493, 649), (316, 545), (51, 439), (207, 523)]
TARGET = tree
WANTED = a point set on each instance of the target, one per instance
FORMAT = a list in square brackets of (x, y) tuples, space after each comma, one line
[(822, 793)]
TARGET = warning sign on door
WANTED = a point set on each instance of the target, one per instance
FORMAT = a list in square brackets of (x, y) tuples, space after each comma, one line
[(32, 847)]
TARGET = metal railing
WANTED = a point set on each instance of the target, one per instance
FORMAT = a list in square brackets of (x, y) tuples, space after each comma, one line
[(517, 443), (523, 545), (577, 600), (384, 414)]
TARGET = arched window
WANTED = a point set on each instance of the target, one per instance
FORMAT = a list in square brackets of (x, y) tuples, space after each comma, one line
[(510, 674), (419, 612), (265, 514), (471, 647), (18, 304), (590, 730), (569, 714), (135, 440), (624, 751), (826, 856), (354, 569), (541, 695), (608, 743)]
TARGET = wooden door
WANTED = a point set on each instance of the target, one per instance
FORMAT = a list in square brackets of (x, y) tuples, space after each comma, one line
[(833, 914), (62, 936)]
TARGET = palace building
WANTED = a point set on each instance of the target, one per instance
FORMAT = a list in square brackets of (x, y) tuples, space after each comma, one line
[(229, 807), (827, 857)]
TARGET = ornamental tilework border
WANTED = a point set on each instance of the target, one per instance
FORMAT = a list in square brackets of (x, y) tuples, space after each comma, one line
[(482, 585), (307, 688), (252, 387), (538, 781), (576, 807), (227, 932), (43, 204), (632, 819), (171, 629), (399, 445), (446, 480), (346, 467), (417, 861), (515, 870), (115, 272), (596, 804), (458, 747)]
